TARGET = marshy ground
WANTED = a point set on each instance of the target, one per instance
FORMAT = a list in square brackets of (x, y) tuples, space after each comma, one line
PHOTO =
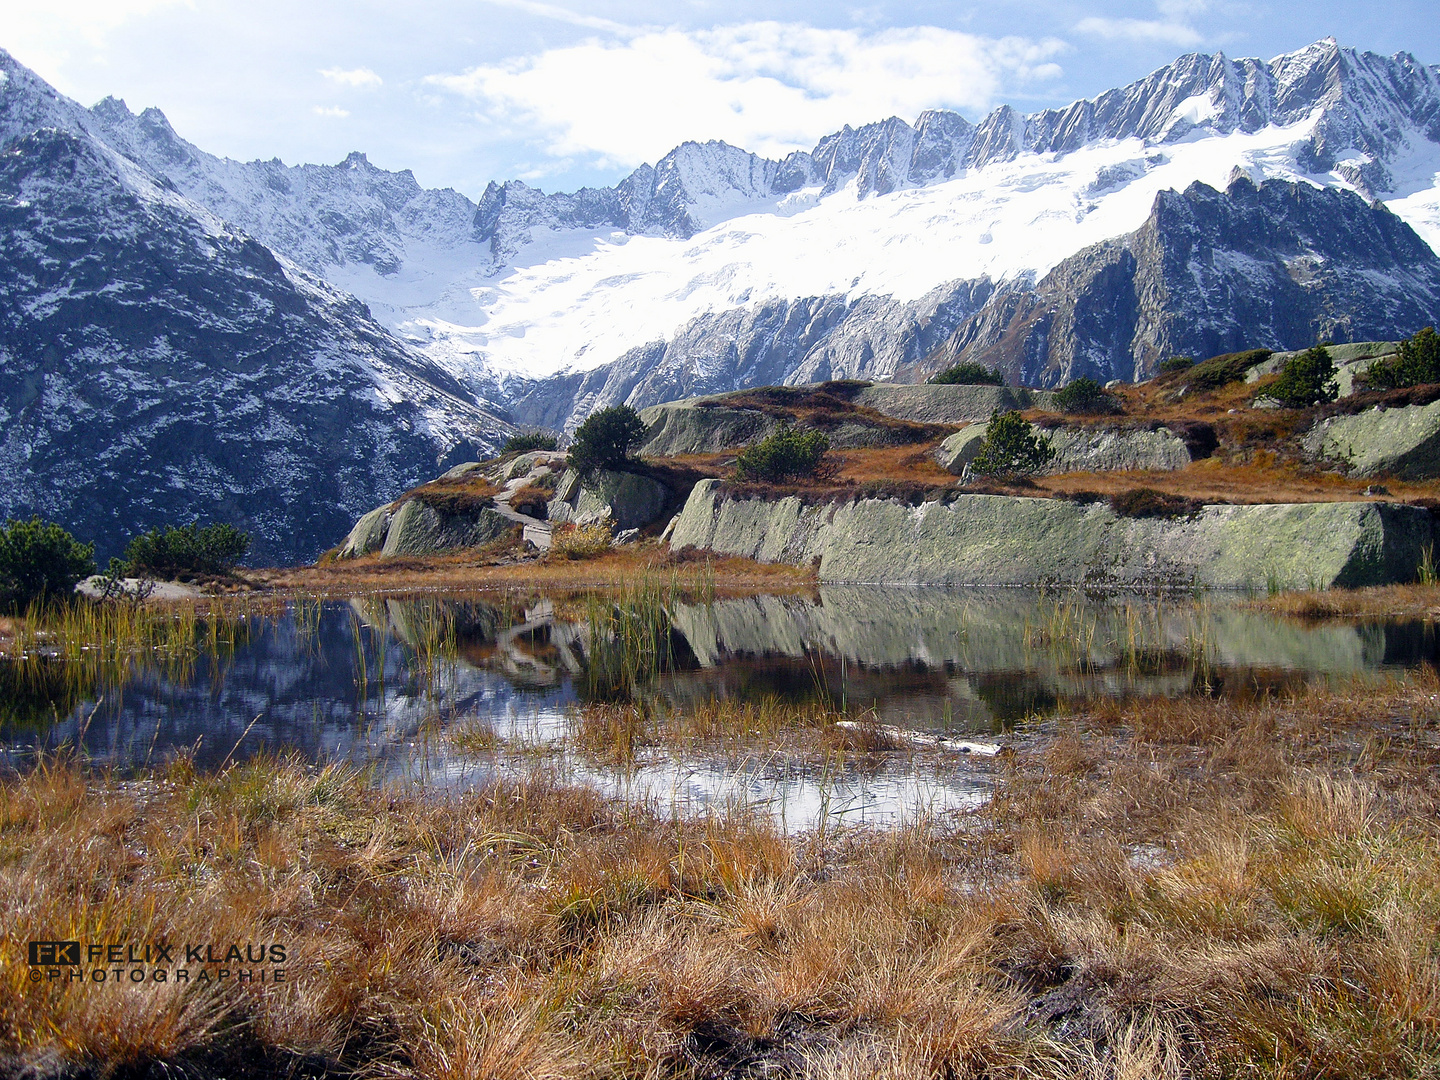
[(1215, 884)]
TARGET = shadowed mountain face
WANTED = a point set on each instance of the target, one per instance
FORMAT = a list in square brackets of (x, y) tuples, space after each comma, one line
[(1279, 266), (158, 366)]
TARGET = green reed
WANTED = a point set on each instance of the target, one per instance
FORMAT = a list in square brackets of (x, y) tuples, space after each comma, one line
[(631, 638)]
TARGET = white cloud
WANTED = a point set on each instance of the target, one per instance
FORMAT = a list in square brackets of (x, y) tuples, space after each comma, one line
[(766, 86), (331, 110), (565, 15), (1172, 28), (361, 78)]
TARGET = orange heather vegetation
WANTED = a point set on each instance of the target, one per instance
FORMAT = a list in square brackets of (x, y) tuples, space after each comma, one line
[(1157, 889)]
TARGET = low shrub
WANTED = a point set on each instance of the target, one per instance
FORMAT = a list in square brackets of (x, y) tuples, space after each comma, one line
[(1176, 363), (782, 455), (605, 440), (1221, 370), (1149, 503), (1416, 362), (580, 541), (172, 551), (527, 441), (39, 562), (1010, 447), (968, 374), (1307, 379), (1086, 396)]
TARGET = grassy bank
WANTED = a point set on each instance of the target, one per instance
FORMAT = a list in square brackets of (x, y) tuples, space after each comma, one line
[(1203, 887)]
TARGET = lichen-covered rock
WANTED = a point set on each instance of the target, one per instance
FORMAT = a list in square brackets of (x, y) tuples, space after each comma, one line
[(420, 529), (1349, 360), (1001, 540), (368, 535), (959, 450), (1080, 449), (682, 427), (1402, 442), (628, 500), (929, 404)]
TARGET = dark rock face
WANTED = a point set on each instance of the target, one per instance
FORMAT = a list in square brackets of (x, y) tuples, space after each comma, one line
[(158, 366), (1280, 266), (777, 342)]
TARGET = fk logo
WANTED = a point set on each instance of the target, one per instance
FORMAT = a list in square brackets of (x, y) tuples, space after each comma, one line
[(55, 953)]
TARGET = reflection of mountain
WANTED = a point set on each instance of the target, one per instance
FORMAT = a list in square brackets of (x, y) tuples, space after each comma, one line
[(360, 680)]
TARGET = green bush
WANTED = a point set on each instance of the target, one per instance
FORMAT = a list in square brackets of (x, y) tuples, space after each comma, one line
[(1416, 361), (1221, 370), (170, 551), (1086, 396), (1176, 363), (969, 375), (604, 441), (1011, 447), (40, 561), (782, 455), (527, 441), (1307, 379)]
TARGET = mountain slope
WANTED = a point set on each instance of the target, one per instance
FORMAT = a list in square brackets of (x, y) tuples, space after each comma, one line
[(525, 286), (158, 365), (1282, 265)]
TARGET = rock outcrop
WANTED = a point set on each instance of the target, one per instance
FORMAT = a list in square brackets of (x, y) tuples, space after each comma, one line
[(1349, 360), (1001, 540), (1081, 449), (1281, 265), (625, 500), (1403, 442), (683, 427)]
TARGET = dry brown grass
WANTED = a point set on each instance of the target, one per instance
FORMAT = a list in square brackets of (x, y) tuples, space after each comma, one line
[(461, 572), (1374, 602), (1163, 888)]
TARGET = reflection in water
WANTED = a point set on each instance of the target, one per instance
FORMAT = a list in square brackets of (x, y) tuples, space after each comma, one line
[(382, 681)]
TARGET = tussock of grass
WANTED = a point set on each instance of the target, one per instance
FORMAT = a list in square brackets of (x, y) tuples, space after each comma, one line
[(577, 542), (1171, 888)]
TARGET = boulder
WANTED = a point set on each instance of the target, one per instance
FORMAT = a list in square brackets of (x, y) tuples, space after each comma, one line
[(1080, 449), (420, 529), (687, 427), (628, 500), (927, 404), (368, 535), (959, 450), (1349, 360), (1403, 442), (1004, 540)]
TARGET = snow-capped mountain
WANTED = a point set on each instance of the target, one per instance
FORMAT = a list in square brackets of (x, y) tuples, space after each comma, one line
[(869, 249), (291, 344), (158, 365)]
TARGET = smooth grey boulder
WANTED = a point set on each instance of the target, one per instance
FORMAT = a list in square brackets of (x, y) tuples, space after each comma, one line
[(959, 450), (686, 427), (942, 404), (1349, 360), (627, 500), (1403, 442), (420, 529), (1080, 449), (368, 535), (1003, 540)]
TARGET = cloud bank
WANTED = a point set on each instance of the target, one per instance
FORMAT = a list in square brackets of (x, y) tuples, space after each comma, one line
[(769, 87)]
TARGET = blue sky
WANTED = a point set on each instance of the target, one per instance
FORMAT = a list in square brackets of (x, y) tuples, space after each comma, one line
[(563, 94)]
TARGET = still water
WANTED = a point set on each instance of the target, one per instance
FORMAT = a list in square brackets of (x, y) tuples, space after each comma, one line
[(383, 682)]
